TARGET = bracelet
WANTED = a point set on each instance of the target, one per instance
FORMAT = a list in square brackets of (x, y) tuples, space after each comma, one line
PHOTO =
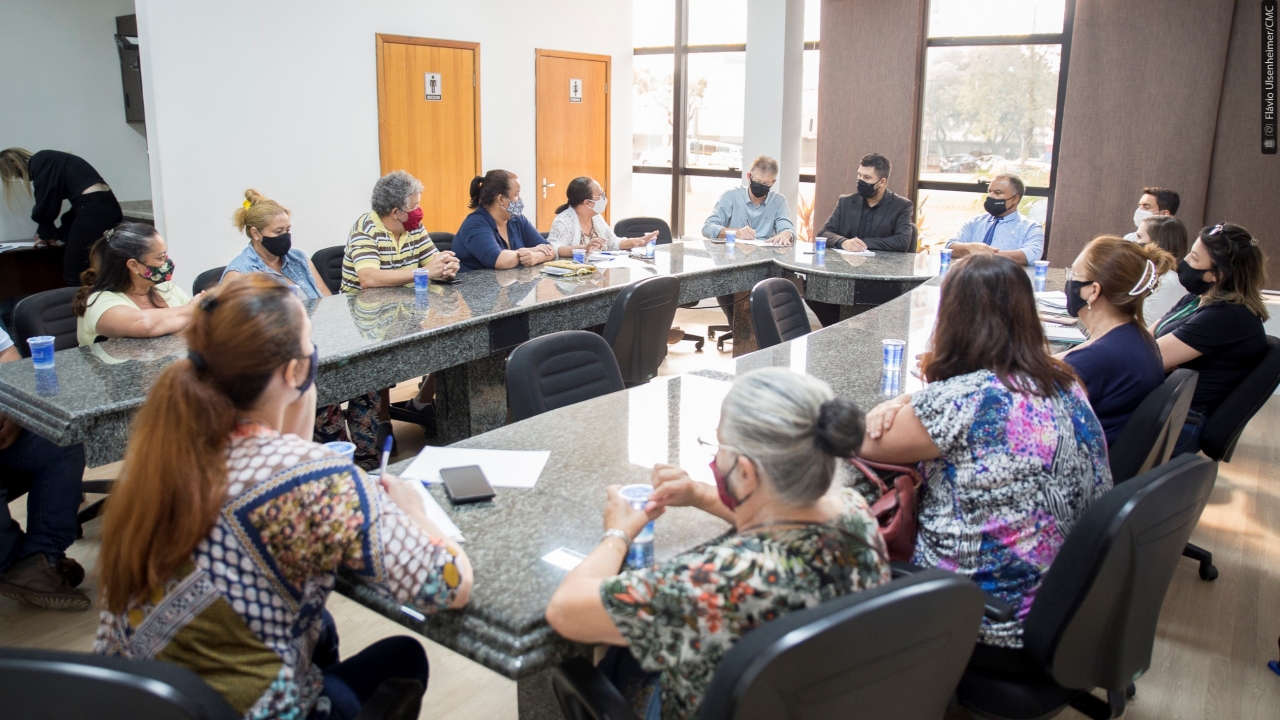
[(615, 532)]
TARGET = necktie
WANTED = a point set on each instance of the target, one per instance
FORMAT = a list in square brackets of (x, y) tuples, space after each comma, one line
[(991, 231)]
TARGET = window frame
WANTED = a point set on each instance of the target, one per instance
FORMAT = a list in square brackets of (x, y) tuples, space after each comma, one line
[(1062, 39)]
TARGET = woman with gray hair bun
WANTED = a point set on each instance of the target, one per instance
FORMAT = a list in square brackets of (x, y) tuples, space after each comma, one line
[(798, 542)]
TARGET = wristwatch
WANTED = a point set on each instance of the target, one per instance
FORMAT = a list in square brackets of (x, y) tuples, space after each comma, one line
[(615, 532)]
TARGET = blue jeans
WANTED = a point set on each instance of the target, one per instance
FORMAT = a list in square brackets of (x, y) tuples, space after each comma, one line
[(350, 683), (51, 476), (1189, 437)]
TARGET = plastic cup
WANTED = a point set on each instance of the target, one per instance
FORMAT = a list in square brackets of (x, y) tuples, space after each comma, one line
[(650, 249), (944, 261), (343, 448), (730, 237), (579, 255), (421, 279), (1042, 269), (41, 351), (640, 554), (893, 350), (820, 244)]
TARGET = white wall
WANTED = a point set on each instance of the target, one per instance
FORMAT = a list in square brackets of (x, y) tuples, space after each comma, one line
[(281, 95), (61, 90), (775, 76)]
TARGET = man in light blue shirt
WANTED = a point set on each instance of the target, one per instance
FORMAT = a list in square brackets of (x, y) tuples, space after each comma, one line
[(753, 212), (1001, 230)]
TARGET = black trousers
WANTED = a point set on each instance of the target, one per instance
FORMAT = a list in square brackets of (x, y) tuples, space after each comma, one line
[(350, 683), (91, 215)]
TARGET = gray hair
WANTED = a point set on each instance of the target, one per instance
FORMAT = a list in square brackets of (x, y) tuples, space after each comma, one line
[(392, 191), (793, 427), (1019, 187), (765, 164)]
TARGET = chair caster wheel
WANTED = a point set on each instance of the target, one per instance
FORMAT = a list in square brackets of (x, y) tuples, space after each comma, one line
[(1208, 572), (697, 347)]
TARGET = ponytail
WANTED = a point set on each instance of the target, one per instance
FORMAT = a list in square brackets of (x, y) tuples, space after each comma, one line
[(578, 192), (488, 187), (109, 262)]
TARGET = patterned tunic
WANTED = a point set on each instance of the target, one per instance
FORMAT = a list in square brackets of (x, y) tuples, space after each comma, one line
[(245, 611), (682, 616), (1016, 472)]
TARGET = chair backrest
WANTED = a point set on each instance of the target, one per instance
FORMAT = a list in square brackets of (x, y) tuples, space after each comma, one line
[(1093, 622), (1148, 438), (207, 279), (638, 325), (328, 262), (45, 313), (1222, 430), (637, 226), (559, 369), (443, 240), (896, 651), (44, 685), (777, 312)]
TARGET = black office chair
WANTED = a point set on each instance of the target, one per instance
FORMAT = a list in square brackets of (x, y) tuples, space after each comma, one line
[(207, 279), (1222, 430), (777, 312), (1093, 621), (639, 226), (44, 685), (442, 240), (560, 369), (328, 262), (638, 324), (45, 313), (1147, 440), (895, 651), (545, 235)]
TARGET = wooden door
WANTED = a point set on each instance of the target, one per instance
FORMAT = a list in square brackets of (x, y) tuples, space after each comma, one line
[(573, 128), (429, 120)]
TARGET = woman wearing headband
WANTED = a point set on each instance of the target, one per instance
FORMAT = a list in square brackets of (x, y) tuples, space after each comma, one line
[(1120, 363), (1216, 329)]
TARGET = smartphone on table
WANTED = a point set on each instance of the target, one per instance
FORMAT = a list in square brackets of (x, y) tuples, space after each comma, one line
[(466, 484)]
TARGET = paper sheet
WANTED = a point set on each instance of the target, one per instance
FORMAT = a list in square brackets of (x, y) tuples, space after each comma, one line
[(756, 241), (437, 515), (1052, 299), (502, 468), (857, 253), (564, 558), (1058, 333)]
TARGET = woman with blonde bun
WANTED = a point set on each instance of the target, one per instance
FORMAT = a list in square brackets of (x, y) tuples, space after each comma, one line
[(269, 228)]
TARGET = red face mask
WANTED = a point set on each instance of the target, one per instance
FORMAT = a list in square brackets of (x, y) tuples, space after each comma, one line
[(414, 219), (722, 486)]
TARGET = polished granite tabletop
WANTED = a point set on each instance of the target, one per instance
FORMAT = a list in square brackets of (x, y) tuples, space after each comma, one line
[(617, 438), (380, 337)]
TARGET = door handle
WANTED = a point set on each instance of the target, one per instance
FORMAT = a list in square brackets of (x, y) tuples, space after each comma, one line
[(546, 185)]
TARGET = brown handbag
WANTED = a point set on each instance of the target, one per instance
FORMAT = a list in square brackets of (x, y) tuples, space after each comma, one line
[(895, 511)]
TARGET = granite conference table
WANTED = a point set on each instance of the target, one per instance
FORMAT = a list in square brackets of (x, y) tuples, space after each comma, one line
[(381, 337), (618, 438)]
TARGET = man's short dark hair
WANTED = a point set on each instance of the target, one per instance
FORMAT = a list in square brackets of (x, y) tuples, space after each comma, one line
[(877, 161), (1019, 187), (1166, 199)]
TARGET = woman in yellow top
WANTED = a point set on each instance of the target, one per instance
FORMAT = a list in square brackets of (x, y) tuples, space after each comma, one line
[(128, 290)]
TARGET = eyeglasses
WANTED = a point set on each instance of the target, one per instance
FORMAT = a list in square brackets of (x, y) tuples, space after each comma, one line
[(715, 447)]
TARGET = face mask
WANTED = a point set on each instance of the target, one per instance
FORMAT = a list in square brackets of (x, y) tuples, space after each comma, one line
[(866, 189), (600, 205), (278, 245), (994, 206), (1192, 278), (722, 486), (311, 372), (414, 220), (1139, 215), (163, 273), (759, 189), (1075, 303), (516, 208)]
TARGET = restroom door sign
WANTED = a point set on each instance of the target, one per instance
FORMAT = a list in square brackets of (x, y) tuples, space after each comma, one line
[(431, 84), (575, 90)]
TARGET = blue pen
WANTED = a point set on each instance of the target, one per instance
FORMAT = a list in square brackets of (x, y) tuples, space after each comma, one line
[(386, 455)]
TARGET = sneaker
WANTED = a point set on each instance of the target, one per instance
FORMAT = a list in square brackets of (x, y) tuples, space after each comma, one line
[(35, 580)]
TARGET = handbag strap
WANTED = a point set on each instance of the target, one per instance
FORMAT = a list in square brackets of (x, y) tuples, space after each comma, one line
[(868, 468)]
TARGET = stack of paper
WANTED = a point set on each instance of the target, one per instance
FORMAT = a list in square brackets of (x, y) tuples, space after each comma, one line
[(856, 253), (437, 515), (1062, 334), (1053, 301), (502, 468)]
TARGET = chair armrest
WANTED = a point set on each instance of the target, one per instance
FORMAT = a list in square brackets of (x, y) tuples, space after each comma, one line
[(994, 608), (584, 692)]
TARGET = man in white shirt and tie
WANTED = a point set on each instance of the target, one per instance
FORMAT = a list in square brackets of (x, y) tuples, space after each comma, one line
[(1001, 230)]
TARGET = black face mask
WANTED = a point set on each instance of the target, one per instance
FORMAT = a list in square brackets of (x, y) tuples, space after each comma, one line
[(994, 206), (311, 372), (1192, 278), (1075, 303), (759, 189), (278, 245), (866, 189)]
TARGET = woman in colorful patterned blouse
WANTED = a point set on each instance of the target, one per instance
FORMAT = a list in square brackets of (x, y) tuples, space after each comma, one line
[(222, 540), (1010, 450), (799, 542)]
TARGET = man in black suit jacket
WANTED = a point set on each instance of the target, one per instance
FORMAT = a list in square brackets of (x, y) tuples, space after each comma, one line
[(870, 219)]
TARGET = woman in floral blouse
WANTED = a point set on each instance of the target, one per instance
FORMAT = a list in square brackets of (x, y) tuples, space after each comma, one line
[(1010, 450), (799, 542), (222, 540)]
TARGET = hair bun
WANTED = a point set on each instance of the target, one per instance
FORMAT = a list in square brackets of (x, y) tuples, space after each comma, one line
[(252, 196), (840, 427)]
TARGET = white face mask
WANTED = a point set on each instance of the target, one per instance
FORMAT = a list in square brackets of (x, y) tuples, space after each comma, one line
[(599, 205), (1139, 215)]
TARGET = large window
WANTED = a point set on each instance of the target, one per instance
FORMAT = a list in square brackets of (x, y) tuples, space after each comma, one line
[(993, 86)]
